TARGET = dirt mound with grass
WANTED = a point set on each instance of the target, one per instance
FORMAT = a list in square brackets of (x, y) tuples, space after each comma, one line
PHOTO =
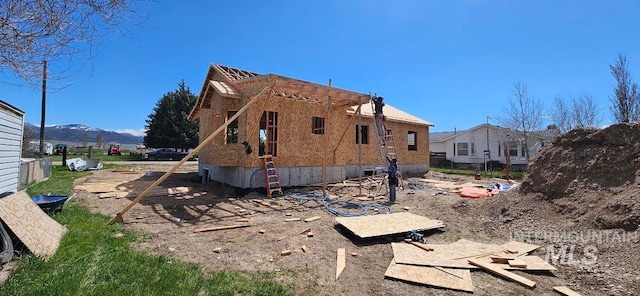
[(591, 174)]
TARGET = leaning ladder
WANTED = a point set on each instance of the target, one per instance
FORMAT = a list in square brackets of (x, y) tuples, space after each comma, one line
[(386, 145), (271, 179)]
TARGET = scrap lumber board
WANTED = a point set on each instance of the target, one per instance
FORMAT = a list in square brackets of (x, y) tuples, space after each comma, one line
[(564, 290), (534, 263), (35, 229), (455, 279), (385, 224), (409, 254), (314, 218), (214, 228), (522, 248), (341, 263), (517, 263), (116, 194), (497, 270)]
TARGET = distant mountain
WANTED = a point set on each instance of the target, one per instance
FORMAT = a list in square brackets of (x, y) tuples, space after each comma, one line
[(75, 133)]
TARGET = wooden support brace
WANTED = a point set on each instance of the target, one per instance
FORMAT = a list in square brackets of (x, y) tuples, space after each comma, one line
[(119, 218)]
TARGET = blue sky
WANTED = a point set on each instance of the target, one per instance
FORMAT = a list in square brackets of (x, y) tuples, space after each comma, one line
[(452, 63)]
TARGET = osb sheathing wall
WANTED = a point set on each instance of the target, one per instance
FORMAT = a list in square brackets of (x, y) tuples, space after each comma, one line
[(217, 152), (297, 145)]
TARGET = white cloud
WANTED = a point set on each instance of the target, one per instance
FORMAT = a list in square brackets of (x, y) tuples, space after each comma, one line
[(138, 132)]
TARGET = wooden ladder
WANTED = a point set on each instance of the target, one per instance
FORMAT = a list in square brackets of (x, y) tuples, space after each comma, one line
[(271, 179)]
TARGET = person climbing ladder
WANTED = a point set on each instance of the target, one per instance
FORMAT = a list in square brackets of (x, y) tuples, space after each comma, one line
[(378, 103)]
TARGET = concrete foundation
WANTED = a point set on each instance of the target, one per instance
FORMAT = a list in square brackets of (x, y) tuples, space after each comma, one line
[(242, 177)]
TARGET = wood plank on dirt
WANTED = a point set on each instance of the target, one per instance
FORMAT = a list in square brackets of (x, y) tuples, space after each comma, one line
[(215, 228), (314, 218), (35, 229), (564, 290), (497, 270), (385, 224), (455, 279), (341, 262), (517, 263)]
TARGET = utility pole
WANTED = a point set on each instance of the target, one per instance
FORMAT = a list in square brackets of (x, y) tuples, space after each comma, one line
[(44, 104), (487, 152)]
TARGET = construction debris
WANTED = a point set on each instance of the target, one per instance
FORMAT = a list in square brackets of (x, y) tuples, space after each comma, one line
[(455, 279), (291, 219), (379, 225), (305, 231), (215, 228), (35, 229), (312, 219), (499, 271), (566, 291), (341, 262)]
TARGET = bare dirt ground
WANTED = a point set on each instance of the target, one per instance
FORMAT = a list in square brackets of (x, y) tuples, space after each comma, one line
[(169, 221), (587, 224)]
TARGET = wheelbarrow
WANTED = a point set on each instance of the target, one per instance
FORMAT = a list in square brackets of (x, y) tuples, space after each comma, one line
[(50, 203)]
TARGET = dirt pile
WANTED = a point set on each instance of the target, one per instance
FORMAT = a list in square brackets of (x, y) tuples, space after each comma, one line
[(591, 175)]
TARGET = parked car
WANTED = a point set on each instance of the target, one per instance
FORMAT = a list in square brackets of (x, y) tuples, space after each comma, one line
[(164, 154)]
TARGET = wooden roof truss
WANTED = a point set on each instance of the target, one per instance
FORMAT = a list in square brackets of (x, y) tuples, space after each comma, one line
[(234, 74)]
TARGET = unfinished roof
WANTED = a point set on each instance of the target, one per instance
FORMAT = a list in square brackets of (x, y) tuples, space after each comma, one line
[(390, 113), (281, 86)]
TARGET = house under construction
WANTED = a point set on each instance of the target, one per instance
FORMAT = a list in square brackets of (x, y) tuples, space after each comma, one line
[(304, 126)]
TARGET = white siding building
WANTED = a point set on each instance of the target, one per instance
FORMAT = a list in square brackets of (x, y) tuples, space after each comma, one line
[(11, 127), (474, 147)]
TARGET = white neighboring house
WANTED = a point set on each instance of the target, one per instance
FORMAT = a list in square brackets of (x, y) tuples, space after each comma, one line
[(11, 127), (474, 147)]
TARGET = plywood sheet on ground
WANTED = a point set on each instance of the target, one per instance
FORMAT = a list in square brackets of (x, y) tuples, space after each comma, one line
[(98, 187), (409, 254), (455, 279), (385, 224), (456, 255), (520, 248), (31, 225)]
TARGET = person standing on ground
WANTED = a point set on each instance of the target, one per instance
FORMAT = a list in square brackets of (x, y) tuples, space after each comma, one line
[(378, 103), (392, 173)]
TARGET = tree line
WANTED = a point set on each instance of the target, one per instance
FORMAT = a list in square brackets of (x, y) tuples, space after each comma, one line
[(524, 114)]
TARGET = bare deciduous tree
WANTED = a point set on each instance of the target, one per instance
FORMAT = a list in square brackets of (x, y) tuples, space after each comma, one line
[(522, 115), (33, 31), (581, 112), (626, 100)]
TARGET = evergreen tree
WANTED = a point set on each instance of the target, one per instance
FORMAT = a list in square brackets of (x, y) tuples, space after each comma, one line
[(168, 126)]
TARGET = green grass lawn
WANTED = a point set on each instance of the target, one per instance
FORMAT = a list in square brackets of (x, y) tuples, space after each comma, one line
[(489, 174), (97, 259)]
